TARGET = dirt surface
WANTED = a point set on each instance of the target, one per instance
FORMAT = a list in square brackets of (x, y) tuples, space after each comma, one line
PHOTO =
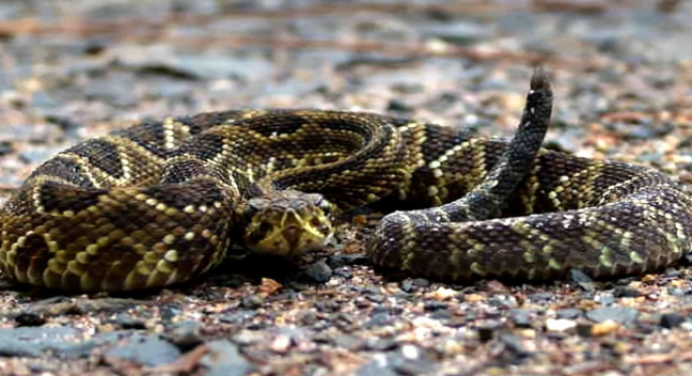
[(622, 75)]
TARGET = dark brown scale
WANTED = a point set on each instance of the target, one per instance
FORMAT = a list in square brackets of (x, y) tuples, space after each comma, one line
[(149, 136), (100, 154), (67, 169), (60, 197), (208, 147), (278, 123), (438, 141), (422, 177)]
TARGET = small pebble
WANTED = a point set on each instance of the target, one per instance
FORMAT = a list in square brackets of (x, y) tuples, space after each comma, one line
[(381, 344), (626, 292), (149, 350), (281, 344), (559, 325), (396, 105), (541, 297), (346, 341), (318, 272), (361, 303), (486, 330), (129, 322), (585, 329), (520, 317), (29, 319), (444, 293), (379, 320), (238, 316), (406, 285), (515, 344), (582, 280), (433, 305), (672, 320), (6, 148), (620, 315), (569, 313), (224, 359), (252, 302), (375, 368), (605, 327), (185, 334)]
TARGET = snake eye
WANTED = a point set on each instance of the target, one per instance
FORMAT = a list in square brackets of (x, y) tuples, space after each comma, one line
[(253, 207), (248, 213), (260, 233), (324, 205)]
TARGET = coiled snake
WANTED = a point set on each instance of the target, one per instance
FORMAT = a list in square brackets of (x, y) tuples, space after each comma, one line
[(161, 202)]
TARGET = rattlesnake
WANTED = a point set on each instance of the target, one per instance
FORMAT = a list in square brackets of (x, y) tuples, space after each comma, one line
[(162, 202)]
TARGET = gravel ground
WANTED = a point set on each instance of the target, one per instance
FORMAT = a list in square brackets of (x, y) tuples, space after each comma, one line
[(623, 89)]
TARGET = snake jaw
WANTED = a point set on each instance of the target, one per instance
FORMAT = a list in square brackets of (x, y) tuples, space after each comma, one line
[(288, 223)]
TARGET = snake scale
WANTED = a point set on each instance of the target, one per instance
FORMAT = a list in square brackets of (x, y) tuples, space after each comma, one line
[(162, 202)]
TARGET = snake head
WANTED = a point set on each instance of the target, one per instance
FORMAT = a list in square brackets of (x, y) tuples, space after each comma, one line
[(287, 223)]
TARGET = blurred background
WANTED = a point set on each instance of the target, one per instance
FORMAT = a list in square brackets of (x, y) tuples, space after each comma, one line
[(75, 69)]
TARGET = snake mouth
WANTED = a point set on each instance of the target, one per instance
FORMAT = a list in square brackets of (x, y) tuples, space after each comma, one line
[(288, 231)]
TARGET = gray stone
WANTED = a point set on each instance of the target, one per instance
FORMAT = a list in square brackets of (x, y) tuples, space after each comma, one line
[(621, 315), (521, 317), (224, 359), (33, 341), (514, 344), (318, 272), (185, 334), (672, 320), (376, 368), (149, 350), (569, 313), (626, 292), (580, 278)]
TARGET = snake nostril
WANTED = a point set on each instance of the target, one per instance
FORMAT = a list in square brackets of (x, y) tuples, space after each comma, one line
[(291, 233)]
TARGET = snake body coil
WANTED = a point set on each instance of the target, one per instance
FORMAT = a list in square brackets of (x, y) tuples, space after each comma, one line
[(161, 202)]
